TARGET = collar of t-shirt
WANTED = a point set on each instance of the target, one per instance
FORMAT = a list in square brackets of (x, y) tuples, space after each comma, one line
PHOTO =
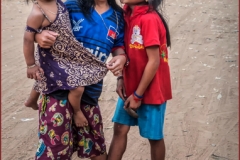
[(137, 10)]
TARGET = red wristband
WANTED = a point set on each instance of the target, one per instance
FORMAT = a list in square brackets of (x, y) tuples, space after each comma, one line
[(136, 99)]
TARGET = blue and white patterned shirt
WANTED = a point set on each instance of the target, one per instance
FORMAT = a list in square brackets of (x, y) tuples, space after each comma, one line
[(100, 35)]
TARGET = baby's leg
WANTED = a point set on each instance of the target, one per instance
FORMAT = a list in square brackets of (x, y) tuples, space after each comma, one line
[(74, 98), (32, 100)]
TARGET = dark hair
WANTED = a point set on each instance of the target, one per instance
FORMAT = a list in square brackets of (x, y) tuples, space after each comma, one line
[(86, 6), (29, 0), (157, 6)]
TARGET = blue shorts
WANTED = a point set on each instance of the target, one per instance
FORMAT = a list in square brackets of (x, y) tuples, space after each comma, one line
[(150, 119)]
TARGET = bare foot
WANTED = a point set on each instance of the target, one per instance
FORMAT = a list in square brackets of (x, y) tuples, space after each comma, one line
[(30, 103), (80, 120)]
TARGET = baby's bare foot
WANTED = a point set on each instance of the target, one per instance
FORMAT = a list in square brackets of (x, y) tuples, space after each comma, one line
[(79, 119), (30, 103)]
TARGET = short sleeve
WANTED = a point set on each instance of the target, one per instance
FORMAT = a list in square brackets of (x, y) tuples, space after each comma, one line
[(150, 30), (119, 41)]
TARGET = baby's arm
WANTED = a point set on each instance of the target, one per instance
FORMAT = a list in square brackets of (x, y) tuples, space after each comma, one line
[(34, 21)]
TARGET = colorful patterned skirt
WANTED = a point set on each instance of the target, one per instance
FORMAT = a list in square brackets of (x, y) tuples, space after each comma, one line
[(59, 137), (55, 129)]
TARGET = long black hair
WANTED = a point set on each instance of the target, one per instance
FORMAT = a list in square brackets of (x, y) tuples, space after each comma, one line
[(157, 6), (86, 6)]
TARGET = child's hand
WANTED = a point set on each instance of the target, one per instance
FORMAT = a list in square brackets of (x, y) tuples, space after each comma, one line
[(131, 106), (46, 39), (34, 72), (121, 89), (40, 74), (132, 103), (116, 64)]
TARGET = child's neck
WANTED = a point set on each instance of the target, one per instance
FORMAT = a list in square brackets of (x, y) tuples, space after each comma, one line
[(101, 7)]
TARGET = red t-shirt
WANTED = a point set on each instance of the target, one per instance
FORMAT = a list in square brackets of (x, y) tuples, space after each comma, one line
[(144, 29)]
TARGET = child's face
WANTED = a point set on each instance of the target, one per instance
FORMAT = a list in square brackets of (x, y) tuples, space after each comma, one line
[(132, 2)]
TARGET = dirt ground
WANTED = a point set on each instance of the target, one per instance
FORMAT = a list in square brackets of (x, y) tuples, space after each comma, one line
[(201, 119)]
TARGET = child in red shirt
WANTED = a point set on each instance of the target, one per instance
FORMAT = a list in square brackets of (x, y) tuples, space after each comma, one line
[(145, 86)]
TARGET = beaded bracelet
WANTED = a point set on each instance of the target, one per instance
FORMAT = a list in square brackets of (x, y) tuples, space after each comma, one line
[(135, 94), (31, 66)]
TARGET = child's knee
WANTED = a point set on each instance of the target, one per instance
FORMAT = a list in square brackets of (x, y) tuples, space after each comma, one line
[(159, 142), (78, 90), (120, 129)]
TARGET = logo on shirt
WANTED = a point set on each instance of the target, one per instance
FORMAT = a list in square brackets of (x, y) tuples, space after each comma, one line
[(96, 51), (163, 51), (112, 34), (77, 26), (136, 38)]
